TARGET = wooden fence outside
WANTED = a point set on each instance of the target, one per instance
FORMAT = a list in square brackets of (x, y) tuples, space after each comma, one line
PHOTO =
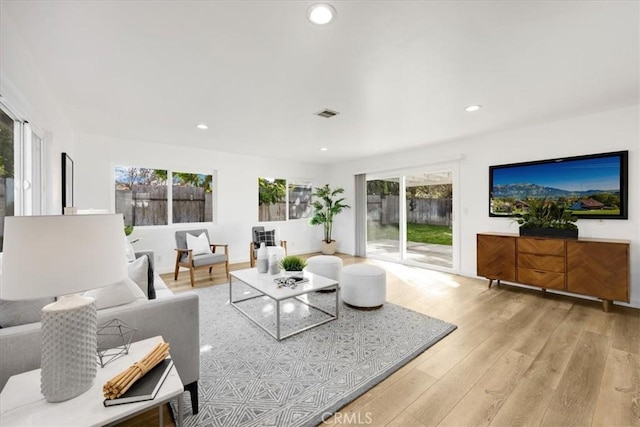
[(147, 205), (386, 210), (272, 212)]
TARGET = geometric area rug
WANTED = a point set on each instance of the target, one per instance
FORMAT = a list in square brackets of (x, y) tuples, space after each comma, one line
[(248, 379)]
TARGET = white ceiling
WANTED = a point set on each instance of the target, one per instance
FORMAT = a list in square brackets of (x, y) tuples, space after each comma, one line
[(399, 72)]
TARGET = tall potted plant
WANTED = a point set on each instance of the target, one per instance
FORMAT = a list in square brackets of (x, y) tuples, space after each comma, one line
[(325, 207)]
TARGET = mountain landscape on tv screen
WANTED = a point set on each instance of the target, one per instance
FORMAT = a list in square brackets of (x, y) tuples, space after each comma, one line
[(522, 191)]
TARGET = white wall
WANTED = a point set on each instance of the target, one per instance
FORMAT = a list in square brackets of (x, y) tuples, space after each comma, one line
[(611, 130), (23, 86), (236, 189)]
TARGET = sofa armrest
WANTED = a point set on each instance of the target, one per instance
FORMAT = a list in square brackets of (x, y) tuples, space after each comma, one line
[(176, 318), (19, 350)]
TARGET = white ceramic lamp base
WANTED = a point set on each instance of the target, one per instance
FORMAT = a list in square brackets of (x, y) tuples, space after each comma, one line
[(69, 345)]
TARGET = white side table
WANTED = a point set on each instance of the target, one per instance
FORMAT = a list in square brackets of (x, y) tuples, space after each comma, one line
[(22, 404)]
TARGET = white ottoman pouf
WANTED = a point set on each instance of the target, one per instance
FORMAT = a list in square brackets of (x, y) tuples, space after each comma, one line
[(325, 265), (363, 286)]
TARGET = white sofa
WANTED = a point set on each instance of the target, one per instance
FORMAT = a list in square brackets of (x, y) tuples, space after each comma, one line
[(174, 316)]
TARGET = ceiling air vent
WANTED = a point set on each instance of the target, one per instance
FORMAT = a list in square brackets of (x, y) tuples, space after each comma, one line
[(326, 113)]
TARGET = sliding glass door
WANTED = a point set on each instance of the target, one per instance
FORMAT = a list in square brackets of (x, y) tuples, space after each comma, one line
[(429, 209), (410, 217), (383, 214)]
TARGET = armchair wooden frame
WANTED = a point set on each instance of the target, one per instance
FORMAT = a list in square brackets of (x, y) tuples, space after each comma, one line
[(189, 262)]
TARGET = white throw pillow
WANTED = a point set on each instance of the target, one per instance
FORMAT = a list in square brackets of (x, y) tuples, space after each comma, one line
[(121, 293), (128, 250), (138, 271), (199, 245)]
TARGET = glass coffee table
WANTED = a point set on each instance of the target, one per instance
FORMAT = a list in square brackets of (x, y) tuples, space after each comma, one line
[(265, 285)]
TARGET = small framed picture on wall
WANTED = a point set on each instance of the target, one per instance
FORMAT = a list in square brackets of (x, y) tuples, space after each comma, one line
[(67, 184)]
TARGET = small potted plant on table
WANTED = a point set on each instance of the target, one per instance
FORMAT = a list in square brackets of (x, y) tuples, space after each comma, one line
[(292, 263)]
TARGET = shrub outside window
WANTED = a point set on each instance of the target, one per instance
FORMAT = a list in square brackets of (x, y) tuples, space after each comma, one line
[(272, 199)]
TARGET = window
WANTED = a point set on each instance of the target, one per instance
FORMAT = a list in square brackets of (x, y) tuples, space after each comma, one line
[(192, 197), (7, 143), (300, 201), (143, 196), (272, 199), (21, 167), (278, 201), (35, 192)]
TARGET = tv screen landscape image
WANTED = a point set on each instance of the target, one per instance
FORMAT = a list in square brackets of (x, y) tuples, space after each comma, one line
[(591, 186)]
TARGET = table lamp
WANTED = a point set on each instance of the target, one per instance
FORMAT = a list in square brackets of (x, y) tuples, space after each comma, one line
[(54, 256)]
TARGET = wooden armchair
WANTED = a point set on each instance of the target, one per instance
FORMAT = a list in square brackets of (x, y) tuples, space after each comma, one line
[(186, 257), (259, 235)]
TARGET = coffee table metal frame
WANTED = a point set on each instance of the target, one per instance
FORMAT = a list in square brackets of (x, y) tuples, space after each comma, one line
[(265, 285)]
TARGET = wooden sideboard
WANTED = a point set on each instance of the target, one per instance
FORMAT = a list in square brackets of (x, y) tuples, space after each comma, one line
[(592, 267)]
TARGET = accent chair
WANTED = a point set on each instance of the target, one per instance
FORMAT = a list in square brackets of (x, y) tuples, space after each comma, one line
[(259, 235), (196, 258)]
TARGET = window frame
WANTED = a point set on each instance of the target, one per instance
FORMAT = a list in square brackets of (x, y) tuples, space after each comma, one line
[(300, 182), (25, 171), (170, 172)]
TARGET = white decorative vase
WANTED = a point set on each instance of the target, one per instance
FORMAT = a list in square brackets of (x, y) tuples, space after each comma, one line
[(329, 248), (263, 259), (69, 347)]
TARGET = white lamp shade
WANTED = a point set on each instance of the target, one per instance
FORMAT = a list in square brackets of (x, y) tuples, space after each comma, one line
[(47, 256)]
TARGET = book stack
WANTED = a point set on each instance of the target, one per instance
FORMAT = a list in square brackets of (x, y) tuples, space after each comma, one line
[(146, 387)]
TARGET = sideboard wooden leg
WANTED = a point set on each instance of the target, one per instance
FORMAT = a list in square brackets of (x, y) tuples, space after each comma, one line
[(606, 305), (490, 283)]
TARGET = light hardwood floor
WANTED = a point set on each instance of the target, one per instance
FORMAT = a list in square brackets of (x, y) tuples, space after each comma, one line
[(517, 358)]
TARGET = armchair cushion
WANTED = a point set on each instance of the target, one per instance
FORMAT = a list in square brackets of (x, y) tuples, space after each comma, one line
[(208, 259), (199, 245), (266, 237)]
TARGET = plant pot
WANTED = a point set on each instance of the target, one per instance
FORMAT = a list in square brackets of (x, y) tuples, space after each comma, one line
[(566, 233), (329, 248)]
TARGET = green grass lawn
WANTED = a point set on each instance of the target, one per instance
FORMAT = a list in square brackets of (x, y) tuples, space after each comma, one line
[(422, 233)]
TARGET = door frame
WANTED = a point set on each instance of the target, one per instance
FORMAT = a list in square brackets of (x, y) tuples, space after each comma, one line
[(450, 166)]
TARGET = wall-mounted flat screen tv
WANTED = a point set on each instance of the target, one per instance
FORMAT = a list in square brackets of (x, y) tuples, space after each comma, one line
[(591, 186)]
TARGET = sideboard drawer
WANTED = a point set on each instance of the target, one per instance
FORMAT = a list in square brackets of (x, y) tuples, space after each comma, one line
[(543, 279), (535, 245), (541, 262)]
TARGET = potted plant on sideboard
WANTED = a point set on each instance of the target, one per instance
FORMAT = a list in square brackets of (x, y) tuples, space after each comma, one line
[(546, 218), (324, 210)]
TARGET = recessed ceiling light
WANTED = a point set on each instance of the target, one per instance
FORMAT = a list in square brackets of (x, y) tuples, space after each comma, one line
[(321, 13), (202, 126), (472, 108), (324, 149)]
